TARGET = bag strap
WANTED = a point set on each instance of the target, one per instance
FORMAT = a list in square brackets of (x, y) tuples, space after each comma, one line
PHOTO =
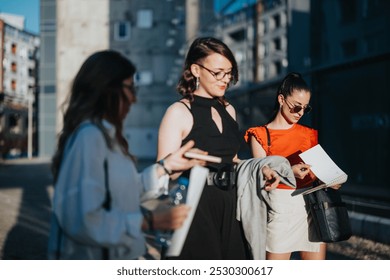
[(107, 201), (59, 239), (268, 139)]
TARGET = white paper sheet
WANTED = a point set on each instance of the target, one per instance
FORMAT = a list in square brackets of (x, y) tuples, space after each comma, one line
[(323, 166), (198, 177)]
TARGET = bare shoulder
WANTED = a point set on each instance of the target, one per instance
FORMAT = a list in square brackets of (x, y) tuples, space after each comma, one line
[(179, 109), (177, 114)]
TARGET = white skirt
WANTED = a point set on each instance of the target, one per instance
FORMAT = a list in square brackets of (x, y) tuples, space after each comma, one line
[(287, 229)]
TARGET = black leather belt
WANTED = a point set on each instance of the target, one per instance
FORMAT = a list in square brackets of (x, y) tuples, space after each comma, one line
[(225, 180)]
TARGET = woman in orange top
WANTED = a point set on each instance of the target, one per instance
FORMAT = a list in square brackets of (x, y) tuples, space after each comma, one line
[(287, 228)]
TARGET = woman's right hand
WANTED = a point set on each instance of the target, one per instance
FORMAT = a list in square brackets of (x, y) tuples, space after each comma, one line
[(301, 170), (177, 162)]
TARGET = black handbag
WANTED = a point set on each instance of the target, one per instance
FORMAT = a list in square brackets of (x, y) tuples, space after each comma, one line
[(327, 216)]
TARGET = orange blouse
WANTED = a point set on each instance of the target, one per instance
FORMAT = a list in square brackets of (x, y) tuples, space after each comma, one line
[(284, 142)]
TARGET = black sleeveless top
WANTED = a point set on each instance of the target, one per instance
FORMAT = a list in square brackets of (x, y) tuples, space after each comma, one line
[(206, 134)]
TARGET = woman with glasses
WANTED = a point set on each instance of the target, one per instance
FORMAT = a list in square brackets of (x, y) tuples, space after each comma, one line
[(96, 204), (287, 229), (204, 115)]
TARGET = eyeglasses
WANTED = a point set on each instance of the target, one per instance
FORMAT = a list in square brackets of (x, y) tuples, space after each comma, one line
[(217, 75), (131, 88), (297, 108)]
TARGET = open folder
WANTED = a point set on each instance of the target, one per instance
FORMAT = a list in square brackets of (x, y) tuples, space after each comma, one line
[(323, 167), (198, 177)]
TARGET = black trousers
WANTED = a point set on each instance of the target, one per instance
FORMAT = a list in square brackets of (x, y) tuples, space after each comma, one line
[(215, 233)]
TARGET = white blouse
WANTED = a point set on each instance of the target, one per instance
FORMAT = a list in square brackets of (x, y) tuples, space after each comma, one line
[(81, 227)]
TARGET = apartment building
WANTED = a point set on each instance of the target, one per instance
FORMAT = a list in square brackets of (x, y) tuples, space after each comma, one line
[(18, 87)]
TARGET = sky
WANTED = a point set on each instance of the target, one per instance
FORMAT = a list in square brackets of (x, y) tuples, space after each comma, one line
[(27, 8)]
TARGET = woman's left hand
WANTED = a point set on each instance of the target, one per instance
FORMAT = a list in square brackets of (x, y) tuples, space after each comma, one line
[(335, 187), (271, 177), (170, 217)]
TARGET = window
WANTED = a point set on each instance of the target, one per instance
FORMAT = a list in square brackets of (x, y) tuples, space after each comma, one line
[(144, 18), (276, 21), (14, 123), (13, 67), (348, 9), (48, 89), (239, 35), (278, 68), (266, 49), (13, 85), (13, 48), (277, 44), (122, 31)]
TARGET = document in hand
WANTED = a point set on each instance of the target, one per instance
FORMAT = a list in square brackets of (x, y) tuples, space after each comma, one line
[(323, 167), (198, 177)]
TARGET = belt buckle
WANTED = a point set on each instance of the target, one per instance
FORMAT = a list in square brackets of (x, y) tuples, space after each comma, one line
[(224, 179), (220, 179)]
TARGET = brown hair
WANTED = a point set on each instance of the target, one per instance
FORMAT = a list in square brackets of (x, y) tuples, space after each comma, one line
[(96, 93), (198, 51)]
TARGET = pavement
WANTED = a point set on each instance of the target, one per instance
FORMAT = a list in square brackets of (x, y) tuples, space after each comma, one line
[(25, 206)]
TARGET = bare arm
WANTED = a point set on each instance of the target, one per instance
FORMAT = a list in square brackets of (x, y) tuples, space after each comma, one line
[(175, 125), (173, 128), (256, 149)]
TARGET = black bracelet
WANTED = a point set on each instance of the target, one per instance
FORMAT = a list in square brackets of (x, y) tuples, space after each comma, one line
[(167, 171)]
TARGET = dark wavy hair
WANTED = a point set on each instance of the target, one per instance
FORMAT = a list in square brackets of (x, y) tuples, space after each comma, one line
[(293, 81), (198, 51), (95, 94)]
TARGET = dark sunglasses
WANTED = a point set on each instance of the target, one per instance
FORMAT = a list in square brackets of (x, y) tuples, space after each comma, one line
[(297, 108)]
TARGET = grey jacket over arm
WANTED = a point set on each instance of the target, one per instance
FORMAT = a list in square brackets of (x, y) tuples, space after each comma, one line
[(252, 199)]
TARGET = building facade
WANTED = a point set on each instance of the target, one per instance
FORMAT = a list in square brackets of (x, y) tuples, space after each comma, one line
[(269, 39), (350, 54), (18, 88), (150, 33)]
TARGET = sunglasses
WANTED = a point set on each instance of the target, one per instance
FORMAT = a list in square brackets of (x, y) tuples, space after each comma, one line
[(297, 108)]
